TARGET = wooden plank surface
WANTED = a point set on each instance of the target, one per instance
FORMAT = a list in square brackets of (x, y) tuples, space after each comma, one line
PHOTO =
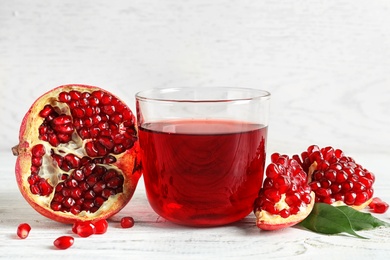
[(153, 237)]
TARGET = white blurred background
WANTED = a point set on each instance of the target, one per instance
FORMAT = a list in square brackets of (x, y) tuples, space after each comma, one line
[(326, 63)]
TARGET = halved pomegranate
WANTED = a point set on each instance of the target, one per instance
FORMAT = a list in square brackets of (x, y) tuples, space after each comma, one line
[(78, 154), (285, 198), (336, 178)]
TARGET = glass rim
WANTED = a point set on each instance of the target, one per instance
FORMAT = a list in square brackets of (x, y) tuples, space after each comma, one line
[(253, 94)]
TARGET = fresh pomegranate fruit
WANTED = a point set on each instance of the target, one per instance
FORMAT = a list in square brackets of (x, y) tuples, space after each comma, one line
[(336, 178), (23, 230), (63, 242), (78, 154), (285, 198), (378, 206), (127, 222)]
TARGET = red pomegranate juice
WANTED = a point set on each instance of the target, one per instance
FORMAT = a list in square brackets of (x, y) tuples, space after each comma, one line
[(202, 173)]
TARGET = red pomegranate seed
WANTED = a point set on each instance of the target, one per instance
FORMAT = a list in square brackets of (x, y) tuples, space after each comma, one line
[(91, 150), (349, 198), (53, 140), (84, 228), (64, 97), (361, 198), (46, 111), (23, 230), (69, 202), (272, 195), (38, 150), (63, 242), (378, 206), (72, 160), (62, 120), (101, 226), (99, 201), (127, 222), (45, 187), (75, 95), (93, 101), (285, 213), (76, 209)]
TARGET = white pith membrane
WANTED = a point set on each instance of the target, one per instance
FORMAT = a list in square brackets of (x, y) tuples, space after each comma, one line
[(50, 171), (268, 221)]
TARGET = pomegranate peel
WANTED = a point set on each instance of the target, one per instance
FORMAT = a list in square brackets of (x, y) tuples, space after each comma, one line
[(77, 157)]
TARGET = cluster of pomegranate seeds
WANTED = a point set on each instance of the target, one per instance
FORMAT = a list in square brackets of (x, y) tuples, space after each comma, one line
[(88, 228), (285, 190), (87, 188), (23, 230), (84, 229), (38, 185), (102, 119), (127, 222), (335, 177), (378, 206), (63, 242)]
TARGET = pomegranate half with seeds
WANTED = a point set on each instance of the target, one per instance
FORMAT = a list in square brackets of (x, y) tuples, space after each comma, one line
[(336, 178), (285, 198), (78, 154)]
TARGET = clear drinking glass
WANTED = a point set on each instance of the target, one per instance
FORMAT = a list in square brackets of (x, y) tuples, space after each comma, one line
[(203, 151)]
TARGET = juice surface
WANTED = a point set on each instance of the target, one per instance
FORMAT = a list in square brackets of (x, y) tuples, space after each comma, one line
[(202, 173)]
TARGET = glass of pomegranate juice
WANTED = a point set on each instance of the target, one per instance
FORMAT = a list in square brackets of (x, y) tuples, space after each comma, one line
[(203, 151)]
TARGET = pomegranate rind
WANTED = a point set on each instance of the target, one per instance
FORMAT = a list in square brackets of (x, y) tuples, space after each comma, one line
[(269, 222), (126, 162)]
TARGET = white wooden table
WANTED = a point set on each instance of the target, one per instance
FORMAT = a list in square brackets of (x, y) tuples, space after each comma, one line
[(154, 238)]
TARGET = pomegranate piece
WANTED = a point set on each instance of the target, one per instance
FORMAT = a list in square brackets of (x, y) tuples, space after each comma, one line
[(23, 230), (127, 222), (63, 242), (336, 178), (78, 154), (285, 198), (378, 206)]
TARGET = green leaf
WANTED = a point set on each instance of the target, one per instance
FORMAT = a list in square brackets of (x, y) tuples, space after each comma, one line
[(327, 219), (362, 221)]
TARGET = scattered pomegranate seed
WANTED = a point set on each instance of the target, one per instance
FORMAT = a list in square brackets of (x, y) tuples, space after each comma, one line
[(127, 222), (84, 228), (63, 242), (101, 226), (378, 206), (23, 230)]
